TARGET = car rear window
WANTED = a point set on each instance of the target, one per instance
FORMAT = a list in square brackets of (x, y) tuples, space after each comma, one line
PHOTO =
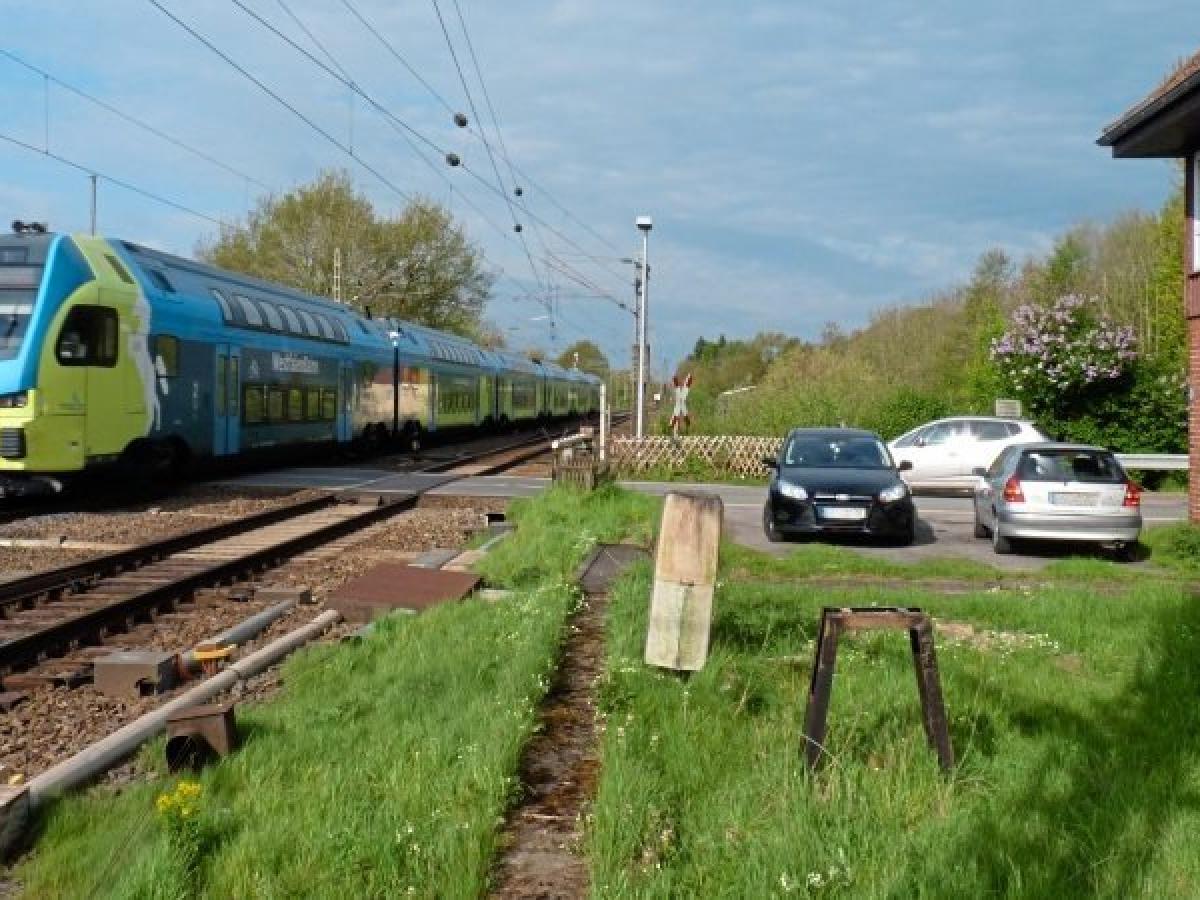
[(1097, 466)]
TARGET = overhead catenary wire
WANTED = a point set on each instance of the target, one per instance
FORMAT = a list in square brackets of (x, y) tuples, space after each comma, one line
[(281, 101), (312, 125), (379, 107), (348, 80), (133, 120), (525, 177), (487, 98), (112, 179), (486, 145)]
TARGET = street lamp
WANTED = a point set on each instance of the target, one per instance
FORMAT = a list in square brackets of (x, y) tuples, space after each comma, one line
[(395, 336), (644, 224)]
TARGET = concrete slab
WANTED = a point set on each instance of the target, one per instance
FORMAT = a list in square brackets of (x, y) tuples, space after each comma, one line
[(132, 673)]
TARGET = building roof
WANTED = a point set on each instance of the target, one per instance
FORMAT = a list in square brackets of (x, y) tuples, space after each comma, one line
[(1166, 123)]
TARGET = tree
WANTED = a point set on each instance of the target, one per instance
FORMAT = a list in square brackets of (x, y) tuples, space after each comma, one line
[(591, 358), (418, 266)]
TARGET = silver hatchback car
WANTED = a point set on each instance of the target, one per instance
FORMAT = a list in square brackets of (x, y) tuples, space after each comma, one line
[(1057, 492)]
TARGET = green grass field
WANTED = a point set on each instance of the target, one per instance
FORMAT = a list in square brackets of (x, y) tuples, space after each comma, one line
[(383, 768), (1074, 716)]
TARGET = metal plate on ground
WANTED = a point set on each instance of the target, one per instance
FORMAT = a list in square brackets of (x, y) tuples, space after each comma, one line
[(392, 586), (606, 564)]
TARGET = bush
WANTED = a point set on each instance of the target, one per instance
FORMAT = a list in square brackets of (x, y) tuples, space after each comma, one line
[(903, 410)]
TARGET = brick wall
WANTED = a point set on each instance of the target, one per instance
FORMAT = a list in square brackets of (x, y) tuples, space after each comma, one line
[(1194, 412), (1191, 303)]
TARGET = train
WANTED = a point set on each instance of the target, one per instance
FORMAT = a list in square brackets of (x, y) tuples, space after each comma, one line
[(117, 354)]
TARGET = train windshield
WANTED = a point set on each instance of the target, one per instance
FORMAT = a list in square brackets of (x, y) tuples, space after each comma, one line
[(20, 277)]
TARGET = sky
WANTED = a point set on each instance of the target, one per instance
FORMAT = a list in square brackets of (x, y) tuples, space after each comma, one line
[(803, 162)]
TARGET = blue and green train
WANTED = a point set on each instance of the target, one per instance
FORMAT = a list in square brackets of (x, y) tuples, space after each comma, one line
[(111, 352)]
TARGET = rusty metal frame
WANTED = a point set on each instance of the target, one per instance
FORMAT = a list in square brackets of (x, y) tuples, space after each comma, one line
[(837, 620)]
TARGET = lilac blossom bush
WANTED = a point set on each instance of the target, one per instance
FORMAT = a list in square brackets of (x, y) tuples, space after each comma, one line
[(1051, 356)]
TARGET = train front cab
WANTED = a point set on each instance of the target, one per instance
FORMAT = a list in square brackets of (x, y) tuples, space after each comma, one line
[(73, 389)]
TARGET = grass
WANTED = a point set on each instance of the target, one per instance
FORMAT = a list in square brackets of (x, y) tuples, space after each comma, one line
[(384, 768), (1072, 713), (1175, 546)]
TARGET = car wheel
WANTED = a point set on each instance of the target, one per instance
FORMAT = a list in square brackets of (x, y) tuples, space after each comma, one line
[(769, 529), (1001, 544), (908, 537), (981, 530)]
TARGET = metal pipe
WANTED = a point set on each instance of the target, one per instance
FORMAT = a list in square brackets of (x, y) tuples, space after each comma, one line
[(102, 755), (239, 633)]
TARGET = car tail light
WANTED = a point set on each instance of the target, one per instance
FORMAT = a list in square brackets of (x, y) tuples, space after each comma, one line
[(1013, 492), (1133, 495)]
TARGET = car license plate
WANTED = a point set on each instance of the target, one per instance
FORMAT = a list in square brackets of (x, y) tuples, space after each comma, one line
[(843, 513), (1067, 498)]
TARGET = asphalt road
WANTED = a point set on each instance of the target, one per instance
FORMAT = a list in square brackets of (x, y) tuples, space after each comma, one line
[(944, 528)]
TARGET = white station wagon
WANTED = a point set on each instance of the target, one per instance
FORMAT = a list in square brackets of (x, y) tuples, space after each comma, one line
[(945, 453)]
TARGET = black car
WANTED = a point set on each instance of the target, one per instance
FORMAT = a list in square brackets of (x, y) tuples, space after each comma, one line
[(837, 481)]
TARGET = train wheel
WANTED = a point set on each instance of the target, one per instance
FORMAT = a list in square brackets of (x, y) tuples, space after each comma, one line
[(412, 437)]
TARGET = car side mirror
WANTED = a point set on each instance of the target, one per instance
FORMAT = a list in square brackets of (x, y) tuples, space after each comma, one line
[(980, 471), (905, 465), (770, 462)]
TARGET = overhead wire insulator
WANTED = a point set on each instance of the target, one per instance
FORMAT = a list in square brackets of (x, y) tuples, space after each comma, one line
[(518, 190), (452, 159), (517, 228), (460, 119)]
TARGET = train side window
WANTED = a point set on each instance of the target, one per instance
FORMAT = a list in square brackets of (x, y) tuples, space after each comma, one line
[(160, 281), (166, 355), (274, 320), (88, 337), (328, 405), (295, 405), (249, 310), (312, 405), (292, 321), (253, 404), (275, 404), (226, 310), (340, 330), (310, 324)]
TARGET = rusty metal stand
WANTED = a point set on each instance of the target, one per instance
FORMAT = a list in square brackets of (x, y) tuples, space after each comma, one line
[(834, 621)]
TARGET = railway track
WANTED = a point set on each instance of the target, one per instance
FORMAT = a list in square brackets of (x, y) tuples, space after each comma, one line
[(53, 621)]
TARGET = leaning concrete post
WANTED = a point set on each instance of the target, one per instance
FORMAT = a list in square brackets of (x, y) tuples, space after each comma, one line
[(685, 574)]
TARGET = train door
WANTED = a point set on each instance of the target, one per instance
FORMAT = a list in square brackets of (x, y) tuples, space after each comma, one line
[(345, 410), (89, 344), (227, 401)]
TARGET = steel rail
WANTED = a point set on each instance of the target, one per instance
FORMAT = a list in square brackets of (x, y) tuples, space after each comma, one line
[(87, 625), (77, 576)]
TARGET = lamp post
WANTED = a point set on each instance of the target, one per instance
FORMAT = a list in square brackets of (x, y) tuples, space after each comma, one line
[(644, 224), (395, 336)]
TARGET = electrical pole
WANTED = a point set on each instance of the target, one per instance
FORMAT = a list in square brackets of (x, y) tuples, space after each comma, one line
[(93, 177), (644, 224), (337, 274)]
